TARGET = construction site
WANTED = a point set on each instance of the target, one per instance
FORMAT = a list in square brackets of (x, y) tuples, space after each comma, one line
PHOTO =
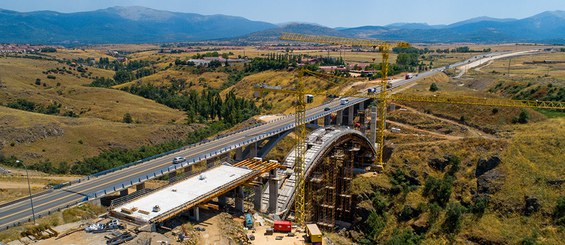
[(227, 190)]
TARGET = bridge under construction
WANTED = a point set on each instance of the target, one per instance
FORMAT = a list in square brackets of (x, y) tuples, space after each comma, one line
[(334, 154)]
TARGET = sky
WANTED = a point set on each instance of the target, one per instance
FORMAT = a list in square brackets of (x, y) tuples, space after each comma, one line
[(332, 13)]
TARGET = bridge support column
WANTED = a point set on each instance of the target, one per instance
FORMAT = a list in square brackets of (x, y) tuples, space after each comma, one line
[(363, 126), (96, 202), (140, 186), (224, 157), (222, 200), (273, 191), (172, 176), (253, 149), (350, 116), (258, 197), (239, 198), (197, 213), (373, 127), (362, 106), (124, 192), (339, 118), (239, 154), (188, 169), (327, 120)]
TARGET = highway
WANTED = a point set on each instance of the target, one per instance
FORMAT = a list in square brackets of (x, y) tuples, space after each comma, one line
[(73, 194), (95, 187)]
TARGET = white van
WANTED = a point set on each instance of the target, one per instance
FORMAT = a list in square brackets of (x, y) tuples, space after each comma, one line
[(344, 101)]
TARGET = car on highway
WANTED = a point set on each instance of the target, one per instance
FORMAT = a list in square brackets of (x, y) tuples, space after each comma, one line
[(177, 160), (327, 109)]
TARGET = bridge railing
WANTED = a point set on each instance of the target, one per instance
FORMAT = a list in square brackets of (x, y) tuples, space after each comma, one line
[(267, 134)]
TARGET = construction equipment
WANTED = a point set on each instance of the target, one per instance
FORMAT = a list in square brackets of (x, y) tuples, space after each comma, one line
[(382, 97), (300, 141)]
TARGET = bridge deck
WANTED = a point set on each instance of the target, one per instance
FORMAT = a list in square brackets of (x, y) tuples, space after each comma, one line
[(181, 196)]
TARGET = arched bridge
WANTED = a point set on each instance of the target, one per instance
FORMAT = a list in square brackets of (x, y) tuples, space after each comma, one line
[(332, 156)]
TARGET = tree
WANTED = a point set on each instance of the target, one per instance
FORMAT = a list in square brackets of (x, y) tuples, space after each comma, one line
[(127, 118), (434, 87), (453, 216), (37, 81), (123, 76), (522, 118)]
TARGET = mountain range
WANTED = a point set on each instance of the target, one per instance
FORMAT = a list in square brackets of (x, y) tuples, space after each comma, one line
[(145, 25)]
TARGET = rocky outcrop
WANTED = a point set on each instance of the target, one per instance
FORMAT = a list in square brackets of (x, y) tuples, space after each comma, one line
[(10, 134), (485, 165), (532, 205), (490, 182)]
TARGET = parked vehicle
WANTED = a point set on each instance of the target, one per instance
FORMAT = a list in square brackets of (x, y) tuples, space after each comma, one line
[(309, 98), (282, 226), (248, 220), (314, 234)]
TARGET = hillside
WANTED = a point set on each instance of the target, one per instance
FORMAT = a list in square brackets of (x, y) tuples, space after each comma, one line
[(34, 137), (498, 184)]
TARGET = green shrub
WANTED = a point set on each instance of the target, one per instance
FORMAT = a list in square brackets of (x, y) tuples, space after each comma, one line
[(480, 205), (452, 222), (404, 237), (559, 212), (374, 225), (434, 87), (439, 190)]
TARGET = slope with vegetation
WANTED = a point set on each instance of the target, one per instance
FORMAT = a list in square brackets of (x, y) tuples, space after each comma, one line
[(502, 188)]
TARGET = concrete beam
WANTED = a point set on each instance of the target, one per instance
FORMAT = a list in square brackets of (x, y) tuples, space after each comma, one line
[(273, 191)]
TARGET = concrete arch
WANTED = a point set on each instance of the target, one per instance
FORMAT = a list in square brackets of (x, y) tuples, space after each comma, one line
[(320, 143)]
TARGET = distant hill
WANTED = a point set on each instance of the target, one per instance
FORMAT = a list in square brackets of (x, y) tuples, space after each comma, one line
[(274, 34), (548, 27), (120, 25), (142, 25)]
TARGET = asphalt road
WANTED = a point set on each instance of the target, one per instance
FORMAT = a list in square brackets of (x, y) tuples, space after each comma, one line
[(61, 198), (70, 195)]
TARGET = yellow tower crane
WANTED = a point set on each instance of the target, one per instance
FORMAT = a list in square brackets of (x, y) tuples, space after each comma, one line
[(300, 93), (382, 97)]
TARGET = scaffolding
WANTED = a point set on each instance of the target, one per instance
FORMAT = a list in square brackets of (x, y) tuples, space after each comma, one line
[(329, 186)]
